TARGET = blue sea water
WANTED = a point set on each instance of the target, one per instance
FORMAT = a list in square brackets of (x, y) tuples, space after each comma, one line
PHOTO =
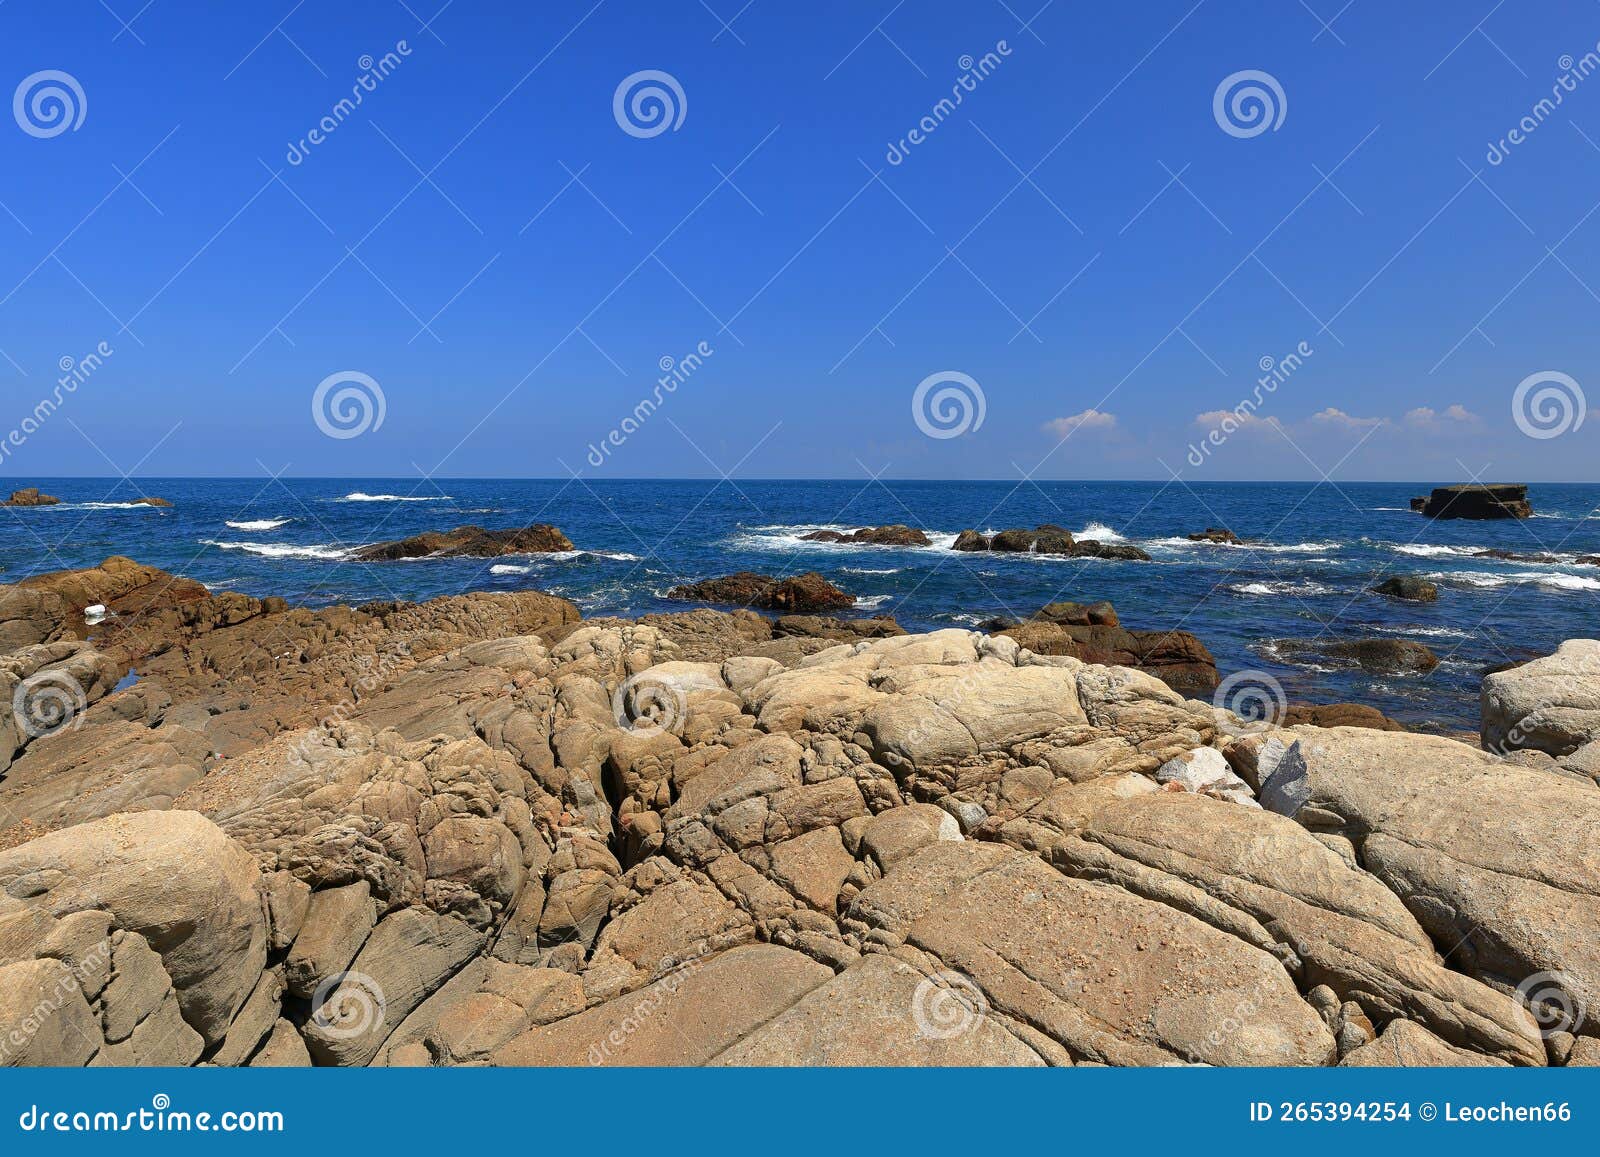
[(1318, 550)]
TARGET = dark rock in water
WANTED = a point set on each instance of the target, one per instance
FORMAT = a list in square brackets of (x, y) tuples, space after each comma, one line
[(803, 594), (1091, 632), (1476, 500), (896, 534), (1340, 715), (1218, 534), (996, 626), (826, 627), (147, 501), (1046, 539), (1381, 656), (1117, 550), (470, 542), (1413, 588), (30, 497), (1510, 665), (1504, 555)]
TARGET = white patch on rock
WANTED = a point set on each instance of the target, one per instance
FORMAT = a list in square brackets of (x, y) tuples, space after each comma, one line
[(1204, 771)]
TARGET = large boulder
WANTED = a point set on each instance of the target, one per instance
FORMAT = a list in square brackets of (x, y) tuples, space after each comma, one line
[(173, 878), (803, 594), (1093, 634), (1499, 862), (1550, 704)]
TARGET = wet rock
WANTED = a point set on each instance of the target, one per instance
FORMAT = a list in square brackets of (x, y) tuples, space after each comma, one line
[(1410, 587), (469, 542), (894, 535)]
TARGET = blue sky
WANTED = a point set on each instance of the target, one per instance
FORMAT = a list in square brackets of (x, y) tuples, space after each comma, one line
[(1080, 237)]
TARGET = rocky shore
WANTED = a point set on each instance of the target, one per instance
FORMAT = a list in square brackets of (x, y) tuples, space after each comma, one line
[(483, 830)]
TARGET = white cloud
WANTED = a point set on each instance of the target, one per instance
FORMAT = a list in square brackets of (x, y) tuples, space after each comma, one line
[(1231, 420), (1088, 420), (1338, 418), (1454, 416)]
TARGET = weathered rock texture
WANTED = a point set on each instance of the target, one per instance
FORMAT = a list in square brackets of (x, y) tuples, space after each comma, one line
[(447, 834)]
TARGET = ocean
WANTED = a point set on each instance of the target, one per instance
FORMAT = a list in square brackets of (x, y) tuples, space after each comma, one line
[(1319, 549)]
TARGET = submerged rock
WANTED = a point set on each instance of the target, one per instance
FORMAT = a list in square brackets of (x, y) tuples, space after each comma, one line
[(1410, 587), (1382, 656)]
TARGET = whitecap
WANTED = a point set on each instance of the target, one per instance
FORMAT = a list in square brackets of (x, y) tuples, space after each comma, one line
[(98, 506), (1424, 632), (1098, 532), (359, 496), (260, 523), (1306, 588), (1430, 550), (870, 570), (871, 602), (791, 537), (507, 568), (281, 549), (1554, 580)]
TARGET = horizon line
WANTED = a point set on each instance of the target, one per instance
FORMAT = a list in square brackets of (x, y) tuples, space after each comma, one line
[(777, 478)]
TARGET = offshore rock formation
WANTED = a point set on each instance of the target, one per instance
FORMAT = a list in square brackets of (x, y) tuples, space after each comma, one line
[(1046, 539), (481, 831), (469, 542), (897, 534), (1476, 500)]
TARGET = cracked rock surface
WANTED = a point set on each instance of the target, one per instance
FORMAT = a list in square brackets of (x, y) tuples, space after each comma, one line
[(481, 831)]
